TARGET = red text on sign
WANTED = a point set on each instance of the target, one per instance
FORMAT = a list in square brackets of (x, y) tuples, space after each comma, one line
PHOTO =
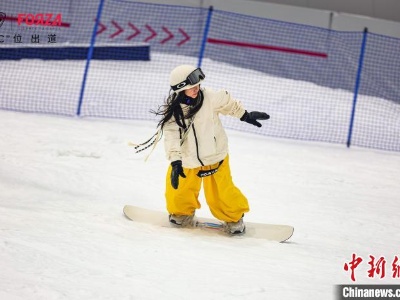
[(40, 19)]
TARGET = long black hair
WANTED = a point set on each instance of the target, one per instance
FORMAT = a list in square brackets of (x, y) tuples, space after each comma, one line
[(172, 108)]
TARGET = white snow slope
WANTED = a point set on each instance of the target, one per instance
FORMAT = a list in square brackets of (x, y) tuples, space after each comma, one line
[(64, 182)]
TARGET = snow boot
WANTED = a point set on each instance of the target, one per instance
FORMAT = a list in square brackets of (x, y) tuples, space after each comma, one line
[(235, 228), (181, 220)]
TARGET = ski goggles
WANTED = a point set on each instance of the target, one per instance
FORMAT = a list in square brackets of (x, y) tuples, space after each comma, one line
[(193, 78)]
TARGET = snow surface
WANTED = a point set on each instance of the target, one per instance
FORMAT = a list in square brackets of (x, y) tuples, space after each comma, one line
[(64, 182)]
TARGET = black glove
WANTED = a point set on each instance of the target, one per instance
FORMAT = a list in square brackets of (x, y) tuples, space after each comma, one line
[(252, 117), (177, 171)]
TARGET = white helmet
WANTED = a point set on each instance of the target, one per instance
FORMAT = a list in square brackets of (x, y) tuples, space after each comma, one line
[(185, 77)]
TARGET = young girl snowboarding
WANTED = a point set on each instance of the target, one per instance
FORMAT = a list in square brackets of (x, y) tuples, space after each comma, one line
[(197, 146)]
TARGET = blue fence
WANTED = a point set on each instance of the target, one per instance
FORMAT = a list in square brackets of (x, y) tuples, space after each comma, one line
[(317, 84)]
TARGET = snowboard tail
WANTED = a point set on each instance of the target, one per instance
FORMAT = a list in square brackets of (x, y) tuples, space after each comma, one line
[(271, 232)]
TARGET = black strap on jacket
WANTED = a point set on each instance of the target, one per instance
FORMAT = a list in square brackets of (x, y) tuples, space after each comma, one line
[(205, 173)]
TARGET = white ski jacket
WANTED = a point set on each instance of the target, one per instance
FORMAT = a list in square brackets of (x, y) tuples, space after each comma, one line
[(206, 142)]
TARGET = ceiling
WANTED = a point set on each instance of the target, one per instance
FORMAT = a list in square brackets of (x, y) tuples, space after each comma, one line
[(380, 9)]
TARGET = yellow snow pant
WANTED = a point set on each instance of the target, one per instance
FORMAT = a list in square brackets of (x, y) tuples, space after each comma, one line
[(225, 200)]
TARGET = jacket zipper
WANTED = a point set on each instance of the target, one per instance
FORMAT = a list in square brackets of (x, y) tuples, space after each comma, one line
[(197, 145)]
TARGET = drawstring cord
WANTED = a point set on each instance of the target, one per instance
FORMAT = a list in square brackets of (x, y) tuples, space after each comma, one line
[(150, 142)]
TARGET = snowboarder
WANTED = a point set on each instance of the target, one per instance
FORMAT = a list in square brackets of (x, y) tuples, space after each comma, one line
[(197, 146)]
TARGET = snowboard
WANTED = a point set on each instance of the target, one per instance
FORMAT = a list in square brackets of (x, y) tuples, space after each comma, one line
[(270, 232)]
